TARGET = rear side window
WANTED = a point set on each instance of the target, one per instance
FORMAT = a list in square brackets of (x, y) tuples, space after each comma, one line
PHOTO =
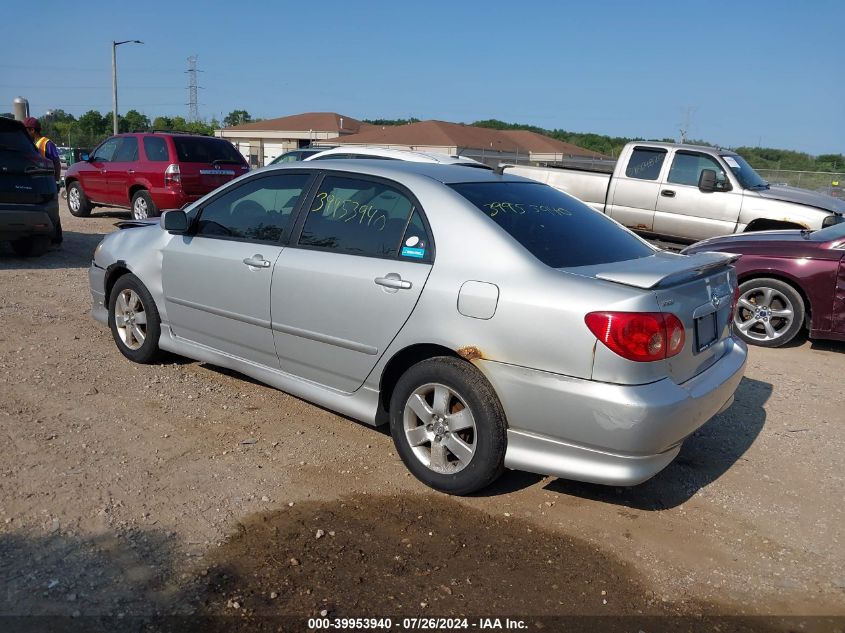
[(155, 148), (645, 163), (127, 151), (357, 217), (557, 229), (257, 210), (206, 150)]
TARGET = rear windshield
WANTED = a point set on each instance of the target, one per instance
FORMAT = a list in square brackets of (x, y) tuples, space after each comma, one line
[(16, 140), (206, 150), (557, 229)]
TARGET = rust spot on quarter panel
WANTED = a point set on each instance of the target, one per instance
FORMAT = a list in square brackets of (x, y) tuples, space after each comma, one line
[(470, 352)]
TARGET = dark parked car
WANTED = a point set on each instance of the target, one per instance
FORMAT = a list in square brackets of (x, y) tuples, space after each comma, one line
[(788, 280), (29, 206), (151, 171)]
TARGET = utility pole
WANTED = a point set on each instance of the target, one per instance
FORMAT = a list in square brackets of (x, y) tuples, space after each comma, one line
[(685, 125), (193, 106), (114, 46)]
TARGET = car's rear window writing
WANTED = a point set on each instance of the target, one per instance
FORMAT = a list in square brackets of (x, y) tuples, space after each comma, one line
[(557, 229), (206, 150)]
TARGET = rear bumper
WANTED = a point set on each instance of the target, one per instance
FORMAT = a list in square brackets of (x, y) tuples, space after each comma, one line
[(16, 223), (165, 198), (605, 433)]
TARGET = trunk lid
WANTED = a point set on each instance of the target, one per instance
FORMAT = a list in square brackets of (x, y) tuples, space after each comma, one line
[(207, 163), (25, 176), (698, 289)]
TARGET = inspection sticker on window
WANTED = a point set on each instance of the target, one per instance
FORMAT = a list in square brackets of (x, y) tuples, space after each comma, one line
[(413, 248), (731, 162)]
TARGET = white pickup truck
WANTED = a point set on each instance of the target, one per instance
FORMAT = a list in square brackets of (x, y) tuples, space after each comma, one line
[(687, 193)]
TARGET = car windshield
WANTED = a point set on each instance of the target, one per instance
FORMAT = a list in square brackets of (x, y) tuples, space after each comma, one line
[(557, 229), (748, 178), (206, 150)]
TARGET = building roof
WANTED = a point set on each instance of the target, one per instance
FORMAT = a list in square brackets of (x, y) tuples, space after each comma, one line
[(316, 121), (444, 134)]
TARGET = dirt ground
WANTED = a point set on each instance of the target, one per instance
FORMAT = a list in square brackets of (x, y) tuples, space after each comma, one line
[(184, 489)]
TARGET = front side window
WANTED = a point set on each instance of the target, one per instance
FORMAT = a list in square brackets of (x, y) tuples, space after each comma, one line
[(557, 229), (128, 150), (687, 167), (258, 210), (357, 217), (105, 152), (155, 147), (645, 163)]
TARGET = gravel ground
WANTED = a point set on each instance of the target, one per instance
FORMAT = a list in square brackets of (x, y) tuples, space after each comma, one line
[(183, 488)]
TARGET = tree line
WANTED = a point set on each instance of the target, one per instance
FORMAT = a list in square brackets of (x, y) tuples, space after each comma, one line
[(91, 128), (758, 157)]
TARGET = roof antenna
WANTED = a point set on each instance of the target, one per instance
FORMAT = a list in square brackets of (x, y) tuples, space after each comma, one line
[(501, 167)]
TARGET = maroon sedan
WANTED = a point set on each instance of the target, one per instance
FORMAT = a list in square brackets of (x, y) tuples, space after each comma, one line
[(788, 280)]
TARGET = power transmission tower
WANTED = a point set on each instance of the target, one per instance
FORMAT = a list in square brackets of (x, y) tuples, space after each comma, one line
[(685, 125), (193, 109)]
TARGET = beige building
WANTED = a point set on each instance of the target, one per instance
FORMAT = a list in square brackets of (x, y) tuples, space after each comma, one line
[(262, 141), (484, 144)]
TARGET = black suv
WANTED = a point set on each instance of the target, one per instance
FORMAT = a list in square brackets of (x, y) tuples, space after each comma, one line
[(29, 205)]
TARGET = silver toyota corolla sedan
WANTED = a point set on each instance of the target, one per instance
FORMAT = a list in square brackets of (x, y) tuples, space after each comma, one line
[(493, 321)]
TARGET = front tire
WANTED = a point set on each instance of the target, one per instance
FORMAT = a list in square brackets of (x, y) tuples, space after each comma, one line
[(134, 320), (770, 312), (143, 206), (448, 426), (77, 202)]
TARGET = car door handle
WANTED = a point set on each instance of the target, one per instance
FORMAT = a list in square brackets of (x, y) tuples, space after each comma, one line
[(393, 280), (668, 193), (257, 261)]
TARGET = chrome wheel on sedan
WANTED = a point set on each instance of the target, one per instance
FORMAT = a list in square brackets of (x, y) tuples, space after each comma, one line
[(448, 425), (134, 320), (130, 319), (440, 428), (769, 312)]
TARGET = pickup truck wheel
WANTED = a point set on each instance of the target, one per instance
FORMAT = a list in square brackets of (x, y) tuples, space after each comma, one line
[(770, 312), (143, 206), (448, 426), (134, 320), (32, 246), (77, 202)]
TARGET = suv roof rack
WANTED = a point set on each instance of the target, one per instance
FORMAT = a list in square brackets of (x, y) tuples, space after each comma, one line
[(187, 133)]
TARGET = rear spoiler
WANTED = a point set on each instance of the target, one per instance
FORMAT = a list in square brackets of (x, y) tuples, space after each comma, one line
[(667, 269)]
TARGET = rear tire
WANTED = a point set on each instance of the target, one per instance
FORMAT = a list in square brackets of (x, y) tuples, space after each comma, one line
[(134, 320), (32, 246), (77, 202), (143, 206), (448, 426), (770, 312)]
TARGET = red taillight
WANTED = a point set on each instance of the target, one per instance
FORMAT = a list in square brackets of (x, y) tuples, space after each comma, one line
[(735, 303), (639, 336), (172, 175)]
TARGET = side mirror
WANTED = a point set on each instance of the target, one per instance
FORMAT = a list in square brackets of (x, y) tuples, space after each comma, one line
[(84, 156), (175, 221), (707, 180)]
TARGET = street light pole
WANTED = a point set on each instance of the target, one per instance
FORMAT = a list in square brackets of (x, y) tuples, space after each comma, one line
[(114, 46)]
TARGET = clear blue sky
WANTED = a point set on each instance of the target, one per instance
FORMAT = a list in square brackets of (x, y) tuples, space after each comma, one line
[(752, 73)]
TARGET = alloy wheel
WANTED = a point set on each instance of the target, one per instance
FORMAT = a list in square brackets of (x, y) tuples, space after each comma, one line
[(73, 199), (764, 314), (440, 428), (139, 209), (130, 319)]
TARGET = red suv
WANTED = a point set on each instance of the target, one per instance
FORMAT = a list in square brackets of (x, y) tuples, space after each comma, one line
[(149, 172)]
